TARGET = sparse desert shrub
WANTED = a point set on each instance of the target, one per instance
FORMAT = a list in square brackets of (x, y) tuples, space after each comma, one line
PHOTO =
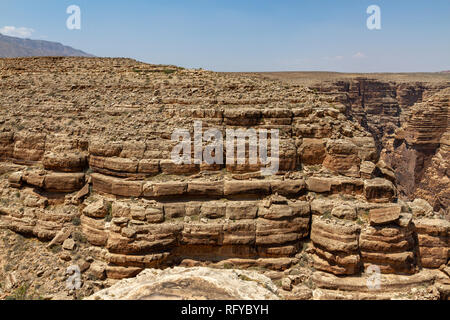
[(76, 221), (108, 216), (79, 237), (56, 248), (20, 293)]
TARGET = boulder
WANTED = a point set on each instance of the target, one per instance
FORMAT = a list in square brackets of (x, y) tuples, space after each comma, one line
[(379, 190), (64, 182), (385, 215), (15, 179), (344, 211), (69, 244), (96, 209)]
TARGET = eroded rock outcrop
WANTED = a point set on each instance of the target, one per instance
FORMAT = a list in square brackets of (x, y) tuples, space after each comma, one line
[(409, 123), (104, 168), (197, 283)]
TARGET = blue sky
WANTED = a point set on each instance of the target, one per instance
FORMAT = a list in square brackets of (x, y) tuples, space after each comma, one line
[(247, 35)]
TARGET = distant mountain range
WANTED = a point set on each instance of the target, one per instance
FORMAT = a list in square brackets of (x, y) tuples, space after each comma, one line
[(12, 47)]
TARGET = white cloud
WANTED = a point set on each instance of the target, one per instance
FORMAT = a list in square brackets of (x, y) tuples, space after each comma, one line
[(12, 31), (359, 55)]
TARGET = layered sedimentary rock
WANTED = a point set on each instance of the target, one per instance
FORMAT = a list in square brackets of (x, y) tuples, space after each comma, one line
[(96, 154), (421, 151), (434, 241), (409, 122), (336, 246), (389, 242)]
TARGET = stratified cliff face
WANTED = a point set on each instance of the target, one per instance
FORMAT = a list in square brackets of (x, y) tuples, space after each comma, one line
[(409, 122), (86, 146), (420, 153)]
